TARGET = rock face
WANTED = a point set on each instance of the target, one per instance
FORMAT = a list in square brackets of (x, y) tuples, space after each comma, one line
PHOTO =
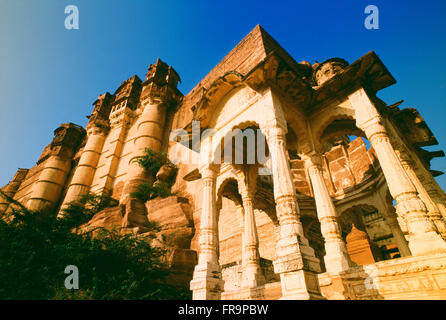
[(328, 153), (174, 216), (109, 219)]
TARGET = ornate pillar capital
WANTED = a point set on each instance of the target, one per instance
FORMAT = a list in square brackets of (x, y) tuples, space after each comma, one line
[(274, 131), (313, 162), (209, 171), (247, 182), (246, 194)]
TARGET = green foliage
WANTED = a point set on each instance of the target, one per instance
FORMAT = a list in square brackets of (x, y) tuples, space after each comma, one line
[(82, 210), (153, 160), (35, 248), (146, 191)]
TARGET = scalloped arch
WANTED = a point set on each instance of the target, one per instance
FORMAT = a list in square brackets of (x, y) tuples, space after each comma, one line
[(213, 95), (242, 125), (223, 180), (338, 113)]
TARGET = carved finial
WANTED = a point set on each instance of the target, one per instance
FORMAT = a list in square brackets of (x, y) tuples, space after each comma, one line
[(356, 234), (328, 69)]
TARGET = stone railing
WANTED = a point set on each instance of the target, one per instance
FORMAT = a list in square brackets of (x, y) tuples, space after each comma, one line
[(422, 277)]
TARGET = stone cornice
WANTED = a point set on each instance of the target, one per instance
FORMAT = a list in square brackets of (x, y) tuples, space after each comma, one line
[(368, 72)]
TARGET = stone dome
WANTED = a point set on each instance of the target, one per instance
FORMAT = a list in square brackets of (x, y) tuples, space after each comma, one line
[(328, 69), (356, 235), (305, 63)]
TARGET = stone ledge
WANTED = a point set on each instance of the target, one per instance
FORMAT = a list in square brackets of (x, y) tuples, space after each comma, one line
[(422, 277)]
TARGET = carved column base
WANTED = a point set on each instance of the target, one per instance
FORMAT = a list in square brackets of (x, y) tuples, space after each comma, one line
[(296, 279), (300, 285), (293, 247), (334, 286), (252, 277), (423, 238), (207, 283), (297, 266), (337, 258)]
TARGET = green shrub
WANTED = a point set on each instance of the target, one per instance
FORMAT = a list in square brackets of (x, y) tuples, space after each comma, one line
[(147, 191), (35, 248), (152, 160), (81, 211)]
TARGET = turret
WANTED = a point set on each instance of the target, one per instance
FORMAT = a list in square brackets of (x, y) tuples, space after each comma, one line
[(56, 161), (159, 93)]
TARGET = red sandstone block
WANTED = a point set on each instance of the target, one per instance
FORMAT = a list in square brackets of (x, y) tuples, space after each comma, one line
[(334, 153)]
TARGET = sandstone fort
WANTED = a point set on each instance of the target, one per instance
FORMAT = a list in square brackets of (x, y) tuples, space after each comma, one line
[(345, 207)]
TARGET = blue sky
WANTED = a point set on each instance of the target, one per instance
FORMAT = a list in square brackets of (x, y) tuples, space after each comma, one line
[(50, 75)]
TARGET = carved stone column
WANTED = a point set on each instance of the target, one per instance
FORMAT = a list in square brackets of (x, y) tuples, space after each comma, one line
[(435, 192), (252, 275), (84, 174), (336, 257), (149, 133), (295, 259), (432, 209), (391, 219), (149, 128), (158, 93), (207, 283), (423, 238), (400, 240)]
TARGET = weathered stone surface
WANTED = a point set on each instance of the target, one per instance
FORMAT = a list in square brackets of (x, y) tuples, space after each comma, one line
[(110, 218), (182, 263), (410, 278), (174, 217)]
